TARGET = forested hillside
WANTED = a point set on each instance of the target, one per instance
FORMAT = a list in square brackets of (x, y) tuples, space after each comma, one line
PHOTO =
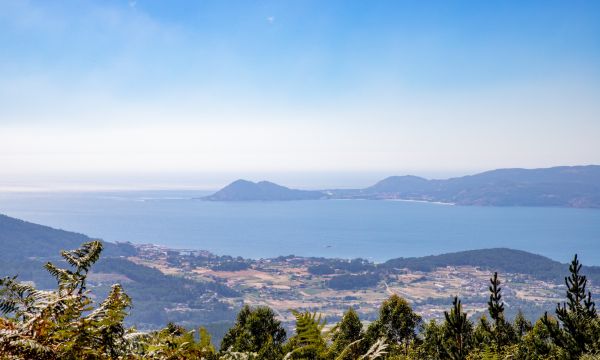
[(22, 239), (160, 298), (500, 259)]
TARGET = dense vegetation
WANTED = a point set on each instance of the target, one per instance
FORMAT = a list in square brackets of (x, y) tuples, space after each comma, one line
[(66, 323), (348, 281), (499, 259)]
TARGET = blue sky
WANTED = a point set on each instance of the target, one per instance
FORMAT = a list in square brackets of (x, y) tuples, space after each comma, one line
[(115, 87)]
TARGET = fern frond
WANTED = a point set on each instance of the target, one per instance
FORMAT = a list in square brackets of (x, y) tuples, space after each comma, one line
[(29, 347), (113, 307), (348, 349), (376, 351), (84, 257)]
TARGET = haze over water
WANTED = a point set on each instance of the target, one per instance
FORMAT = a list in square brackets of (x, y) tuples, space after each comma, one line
[(376, 230)]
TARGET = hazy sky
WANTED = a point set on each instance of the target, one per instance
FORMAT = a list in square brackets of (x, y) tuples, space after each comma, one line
[(148, 87)]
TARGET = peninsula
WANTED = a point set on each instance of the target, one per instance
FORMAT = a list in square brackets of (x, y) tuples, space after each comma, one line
[(564, 186)]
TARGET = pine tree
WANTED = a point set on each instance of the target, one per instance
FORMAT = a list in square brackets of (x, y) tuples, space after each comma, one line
[(577, 315), (503, 333), (522, 325), (579, 302), (495, 305), (457, 332)]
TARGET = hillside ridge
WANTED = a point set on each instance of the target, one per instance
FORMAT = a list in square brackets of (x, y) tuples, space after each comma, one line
[(561, 186)]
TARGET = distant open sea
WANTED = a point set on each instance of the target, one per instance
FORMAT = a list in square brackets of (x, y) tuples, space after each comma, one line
[(375, 230)]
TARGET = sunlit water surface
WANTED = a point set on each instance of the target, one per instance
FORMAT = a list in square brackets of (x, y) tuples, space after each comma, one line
[(376, 230)]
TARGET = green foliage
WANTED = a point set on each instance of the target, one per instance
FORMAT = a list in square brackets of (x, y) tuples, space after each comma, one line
[(66, 323), (346, 337), (577, 316), (321, 269), (432, 346), (62, 323), (537, 344), (521, 325), (397, 323), (175, 342), (350, 282), (309, 341), (502, 333), (499, 259), (458, 331), (256, 330), (495, 305)]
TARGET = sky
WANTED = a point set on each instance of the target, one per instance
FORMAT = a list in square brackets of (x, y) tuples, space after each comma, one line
[(171, 93)]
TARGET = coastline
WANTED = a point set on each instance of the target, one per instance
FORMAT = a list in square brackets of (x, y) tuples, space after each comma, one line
[(421, 201)]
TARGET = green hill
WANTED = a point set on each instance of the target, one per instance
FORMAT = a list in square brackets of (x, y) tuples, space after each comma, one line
[(243, 190), (26, 247), (499, 259), (21, 239)]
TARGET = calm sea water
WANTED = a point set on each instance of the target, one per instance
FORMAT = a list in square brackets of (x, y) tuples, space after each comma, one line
[(376, 230)]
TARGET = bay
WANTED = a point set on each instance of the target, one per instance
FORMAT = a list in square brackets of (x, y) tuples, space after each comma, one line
[(375, 230)]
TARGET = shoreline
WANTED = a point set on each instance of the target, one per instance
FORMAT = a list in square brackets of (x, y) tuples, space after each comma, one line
[(421, 201)]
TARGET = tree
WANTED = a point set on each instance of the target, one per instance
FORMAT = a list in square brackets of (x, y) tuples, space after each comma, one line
[(348, 331), (538, 344), (397, 323), (521, 325), (495, 305), (457, 332), (255, 330), (502, 332), (432, 346), (577, 315)]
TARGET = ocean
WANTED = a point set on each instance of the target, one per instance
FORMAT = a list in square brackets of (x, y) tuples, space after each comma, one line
[(374, 230)]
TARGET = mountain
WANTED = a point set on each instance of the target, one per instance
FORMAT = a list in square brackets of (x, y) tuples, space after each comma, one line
[(564, 186), (406, 184), (567, 186), (243, 190)]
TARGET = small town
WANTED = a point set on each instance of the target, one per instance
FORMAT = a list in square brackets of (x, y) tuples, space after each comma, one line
[(287, 283)]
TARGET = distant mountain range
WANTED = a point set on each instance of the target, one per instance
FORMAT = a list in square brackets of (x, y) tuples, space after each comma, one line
[(565, 186)]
